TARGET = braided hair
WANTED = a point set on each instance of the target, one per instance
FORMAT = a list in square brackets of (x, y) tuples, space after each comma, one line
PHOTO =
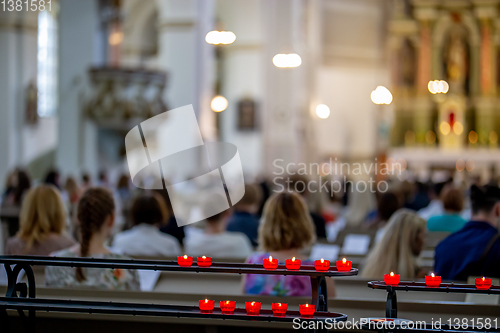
[(95, 205)]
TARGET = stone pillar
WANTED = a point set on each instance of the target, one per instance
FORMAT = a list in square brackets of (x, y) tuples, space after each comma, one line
[(18, 67), (425, 13), (77, 150)]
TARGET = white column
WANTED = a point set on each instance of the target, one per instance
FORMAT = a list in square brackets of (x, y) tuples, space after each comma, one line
[(18, 59), (78, 51)]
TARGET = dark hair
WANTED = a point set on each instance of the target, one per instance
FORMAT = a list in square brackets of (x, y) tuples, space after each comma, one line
[(252, 196), (149, 209), (452, 199), (95, 205), (52, 178), (388, 204), (483, 199)]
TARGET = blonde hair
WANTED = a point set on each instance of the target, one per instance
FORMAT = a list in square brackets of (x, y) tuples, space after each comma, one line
[(42, 213), (394, 253), (286, 223)]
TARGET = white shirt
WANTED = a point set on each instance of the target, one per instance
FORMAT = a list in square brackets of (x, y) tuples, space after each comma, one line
[(435, 208), (146, 240), (223, 245)]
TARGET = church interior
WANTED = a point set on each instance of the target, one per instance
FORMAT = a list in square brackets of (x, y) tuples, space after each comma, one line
[(356, 132)]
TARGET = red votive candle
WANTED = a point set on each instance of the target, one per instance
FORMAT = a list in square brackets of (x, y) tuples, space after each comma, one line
[(306, 310), (432, 280), (270, 263), (483, 283), (392, 279), (253, 308), (343, 265), (204, 261), (279, 309), (322, 265), (185, 260), (227, 307), (292, 265), (206, 305)]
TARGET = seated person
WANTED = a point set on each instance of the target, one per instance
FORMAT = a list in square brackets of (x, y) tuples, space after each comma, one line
[(451, 221), (42, 224), (244, 219), (96, 215), (286, 229), (147, 213), (170, 226), (474, 250), (215, 241), (399, 248)]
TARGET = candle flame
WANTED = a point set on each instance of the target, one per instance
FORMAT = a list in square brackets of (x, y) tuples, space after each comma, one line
[(270, 258), (227, 302), (253, 303), (483, 278), (185, 256), (307, 305), (392, 274), (432, 274), (204, 257), (344, 261), (279, 304), (293, 259), (206, 300), (322, 260)]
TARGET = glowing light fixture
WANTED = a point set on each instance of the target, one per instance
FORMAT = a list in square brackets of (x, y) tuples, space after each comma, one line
[(289, 60), (460, 165), (409, 137), (445, 128), (381, 95), (115, 38), (323, 111), (458, 128), (219, 103), (216, 37), (438, 87), (470, 165), (473, 137), (430, 137)]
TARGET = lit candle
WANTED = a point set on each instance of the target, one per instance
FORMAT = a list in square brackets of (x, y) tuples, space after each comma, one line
[(270, 263), (292, 264), (306, 310), (206, 305), (322, 265), (344, 265), (185, 260), (253, 308), (483, 283), (432, 280), (204, 261), (279, 309), (227, 307), (392, 279)]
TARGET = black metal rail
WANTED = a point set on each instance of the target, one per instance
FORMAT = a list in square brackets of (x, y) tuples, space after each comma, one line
[(21, 296)]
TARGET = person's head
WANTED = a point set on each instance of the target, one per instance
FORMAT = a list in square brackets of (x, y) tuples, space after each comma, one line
[(251, 199), (123, 182), (485, 202), (42, 213), (452, 198), (22, 184), (388, 204), (286, 223), (52, 178), (399, 248), (148, 209), (71, 187), (96, 215), (86, 179)]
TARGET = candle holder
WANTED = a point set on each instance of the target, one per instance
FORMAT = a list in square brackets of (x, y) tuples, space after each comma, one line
[(227, 307), (322, 265), (292, 264), (483, 283), (185, 261), (204, 261), (253, 308), (343, 265), (392, 279), (306, 310), (279, 309), (432, 281), (270, 263), (206, 305)]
